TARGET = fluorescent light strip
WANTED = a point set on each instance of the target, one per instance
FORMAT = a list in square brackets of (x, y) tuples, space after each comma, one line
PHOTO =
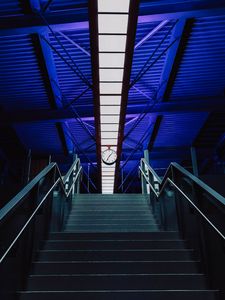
[(111, 60), (105, 169), (107, 142), (109, 127), (110, 110), (107, 182), (112, 23), (112, 39), (108, 134), (110, 100), (111, 88), (112, 43), (109, 119), (108, 75), (121, 6)]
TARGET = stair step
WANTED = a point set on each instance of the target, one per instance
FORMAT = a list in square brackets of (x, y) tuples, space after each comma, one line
[(100, 230), (110, 196), (115, 208), (89, 222), (115, 267), (90, 255), (114, 203), (120, 211), (113, 244), (115, 282), (161, 235), (143, 204), (112, 230), (112, 217), (111, 214), (121, 295), (112, 227)]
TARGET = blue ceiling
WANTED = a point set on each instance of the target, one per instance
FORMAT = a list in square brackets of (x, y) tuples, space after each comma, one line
[(45, 65)]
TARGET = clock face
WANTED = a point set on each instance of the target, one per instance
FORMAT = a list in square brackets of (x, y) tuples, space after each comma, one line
[(109, 156)]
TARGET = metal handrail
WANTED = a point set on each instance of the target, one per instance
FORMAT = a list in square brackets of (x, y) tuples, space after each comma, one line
[(152, 170), (18, 199), (188, 174), (166, 180)]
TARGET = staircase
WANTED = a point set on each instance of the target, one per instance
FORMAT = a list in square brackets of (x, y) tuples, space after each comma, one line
[(112, 248), (107, 213)]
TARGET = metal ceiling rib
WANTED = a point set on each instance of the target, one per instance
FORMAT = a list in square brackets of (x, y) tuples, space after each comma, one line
[(136, 130), (21, 82), (77, 44), (60, 5), (202, 69), (180, 129), (41, 137), (145, 89), (82, 136), (10, 8)]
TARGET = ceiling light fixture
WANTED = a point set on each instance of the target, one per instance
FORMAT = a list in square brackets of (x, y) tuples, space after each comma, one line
[(112, 38)]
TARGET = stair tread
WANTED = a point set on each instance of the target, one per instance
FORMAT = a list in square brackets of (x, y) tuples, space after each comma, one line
[(112, 248), (121, 295), (115, 281)]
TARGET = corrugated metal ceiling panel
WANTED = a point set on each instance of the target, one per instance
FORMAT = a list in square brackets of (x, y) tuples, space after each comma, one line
[(60, 5), (10, 8), (85, 142), (202, 69), (179, 129), (70, 84), (41, 137), (147, 87), (21, 83)]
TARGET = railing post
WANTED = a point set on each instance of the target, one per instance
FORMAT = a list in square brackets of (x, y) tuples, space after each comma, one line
[(143, 181), (78, 184), (194, 161), (144, 185), (169, 208), (146, 170), (27, 167), (88, 182)]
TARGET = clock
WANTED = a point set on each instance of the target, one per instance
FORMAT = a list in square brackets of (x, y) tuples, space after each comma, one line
[(109, 156)]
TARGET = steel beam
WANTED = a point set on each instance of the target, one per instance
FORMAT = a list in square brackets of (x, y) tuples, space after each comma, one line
[(170, 58), (74, 43), (86, 113), (151, 11), (47, 66), (150, 34), (53, 87), (154, 133), (78, 19)]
